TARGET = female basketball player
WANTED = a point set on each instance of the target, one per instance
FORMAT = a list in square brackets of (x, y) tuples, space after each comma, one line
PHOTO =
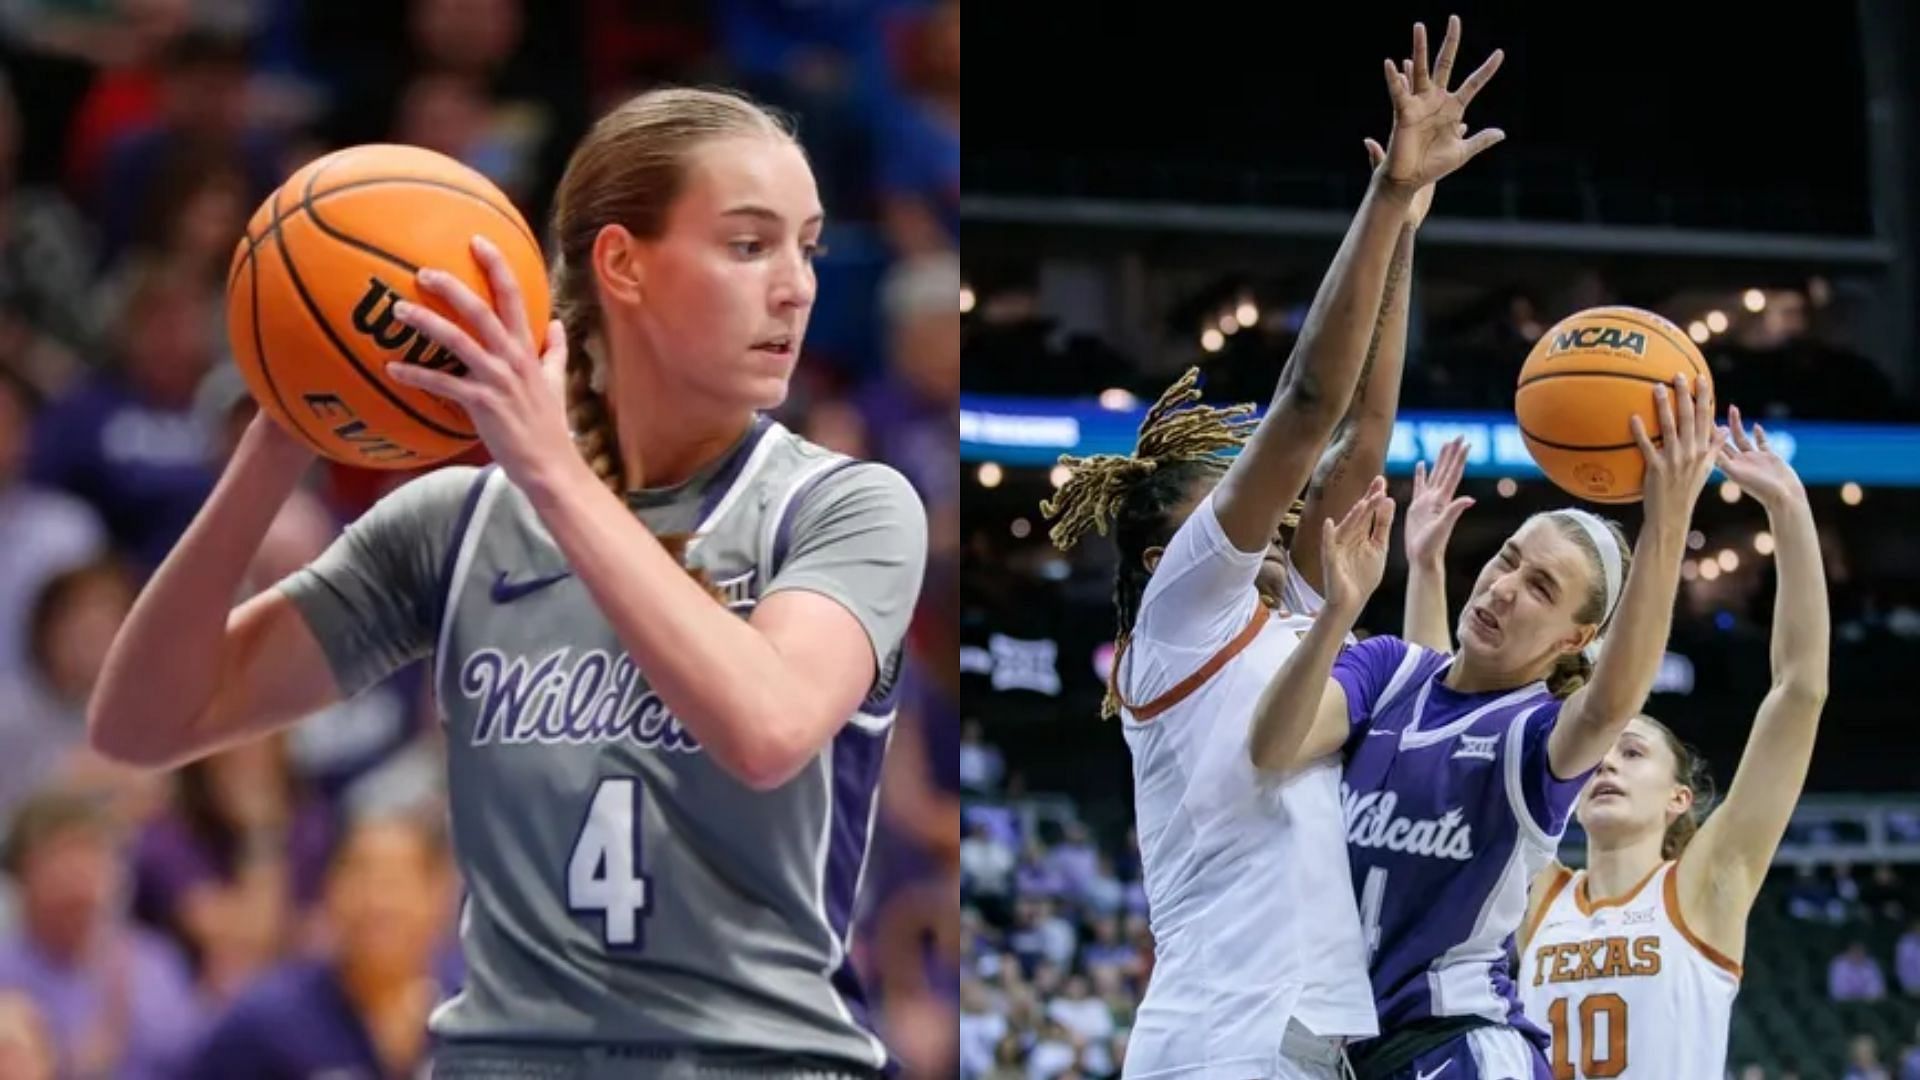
[(660, 802), (1256, 974), (1460, 771), (1633, 964)]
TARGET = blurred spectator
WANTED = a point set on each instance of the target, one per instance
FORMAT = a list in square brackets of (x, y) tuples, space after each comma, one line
[(1910, 1057), (43, 708), (1882, 895), (26, 1048), (1056, 1054), (1906, 961), (1006, 1060), (201, 114), (1812, 897), (128, 442), (234, 861), (912, 413), (986, 865), (1863, 1060), (982, 1026), (1855, 976), (981, 763), (46, 263), (117, 999), (919, 178), (1088, 1017), (42, 532), (361, 1009)]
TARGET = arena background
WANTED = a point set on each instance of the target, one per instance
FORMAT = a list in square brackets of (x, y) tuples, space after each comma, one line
[(136, 136), (1150, 190)]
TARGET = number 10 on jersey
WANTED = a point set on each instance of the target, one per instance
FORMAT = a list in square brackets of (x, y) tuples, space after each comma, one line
[(603, 874)]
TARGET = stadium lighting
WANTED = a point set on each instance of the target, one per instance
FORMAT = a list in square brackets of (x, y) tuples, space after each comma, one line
[(1246, 313), (990, 475), (1507, 487), (1689, 570), (1729, 491), (1729, 560), (966, 299), (1851, 494), (1763, 542), (1717, 321), (1060, 475), (1212, 340), (1697, 330), (1709, 570), (1229, 324), (1696, 540), (1117, 399), (1755, 300), (1021, 527)]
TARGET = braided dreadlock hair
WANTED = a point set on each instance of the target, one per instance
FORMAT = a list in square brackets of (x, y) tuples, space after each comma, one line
[(1135, 495)]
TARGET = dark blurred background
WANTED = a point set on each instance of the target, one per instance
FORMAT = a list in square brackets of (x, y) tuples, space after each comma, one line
[(174, 926), (1160, 188)]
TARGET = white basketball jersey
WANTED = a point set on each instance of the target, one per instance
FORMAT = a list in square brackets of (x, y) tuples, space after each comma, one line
[(1253, 916), (1623, 987)]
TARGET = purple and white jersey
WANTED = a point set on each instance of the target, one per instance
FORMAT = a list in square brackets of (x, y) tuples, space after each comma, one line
[(1450, 809)]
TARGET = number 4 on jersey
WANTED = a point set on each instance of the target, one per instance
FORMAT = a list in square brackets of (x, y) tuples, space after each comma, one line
[(603, 874)]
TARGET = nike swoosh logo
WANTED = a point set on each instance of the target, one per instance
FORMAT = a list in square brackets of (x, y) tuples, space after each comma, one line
[(506, 592), (1434, 1073)]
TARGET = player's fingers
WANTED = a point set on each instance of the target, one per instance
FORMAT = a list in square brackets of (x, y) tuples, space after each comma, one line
[(1397, 89), (508, 303), (1485, 140), (451, 387), (1419, 478), (453, 337), (553, 358), (1639, 429), (1684, 412), (1478, 80), (1449, 46), (1760, 437), (1375, 155), (1421, 76), (1455, 509), (1704, 406), (1737, 429), (476, 314), (1382, 519)]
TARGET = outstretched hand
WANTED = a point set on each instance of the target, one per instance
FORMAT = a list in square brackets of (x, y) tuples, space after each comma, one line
[(1761, 473), (1353, 553), (1429, 137), (1433, 511)]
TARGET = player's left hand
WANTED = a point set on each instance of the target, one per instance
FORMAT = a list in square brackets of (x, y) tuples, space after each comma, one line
[(512, 392), (1752, 464), (1422, 200), (1353, 552)]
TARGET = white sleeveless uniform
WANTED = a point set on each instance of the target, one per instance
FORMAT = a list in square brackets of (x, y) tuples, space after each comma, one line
[(1624, 987), (1254, 923)]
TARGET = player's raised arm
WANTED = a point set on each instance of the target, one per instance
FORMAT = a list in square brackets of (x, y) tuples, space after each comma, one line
[(1623, 675), (188, 672), (1431, 515), (1318, 381), (1359, 450), (1302, 714), (1732, 851)]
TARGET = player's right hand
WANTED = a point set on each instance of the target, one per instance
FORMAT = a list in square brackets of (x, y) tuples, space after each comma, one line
[(1353, 553), (1433, 511), (1678, 468), (1429, 139)]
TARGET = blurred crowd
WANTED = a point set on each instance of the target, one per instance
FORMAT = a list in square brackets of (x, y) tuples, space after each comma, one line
[(1796, 356), (290, 904)]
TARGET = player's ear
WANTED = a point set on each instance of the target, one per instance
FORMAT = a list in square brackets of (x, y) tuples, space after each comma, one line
[(617, 264), (1151, 557)]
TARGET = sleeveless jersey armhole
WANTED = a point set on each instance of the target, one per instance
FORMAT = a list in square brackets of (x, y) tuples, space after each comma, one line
[(1671, 890)]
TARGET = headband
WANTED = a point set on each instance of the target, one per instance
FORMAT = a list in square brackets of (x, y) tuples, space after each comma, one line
[(1609, 549)]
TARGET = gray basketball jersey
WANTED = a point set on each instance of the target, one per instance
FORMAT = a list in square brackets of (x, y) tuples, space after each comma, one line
[(622, 887)]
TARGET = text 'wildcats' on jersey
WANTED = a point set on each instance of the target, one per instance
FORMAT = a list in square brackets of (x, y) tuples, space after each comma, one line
[(1623, 986), (623, 888), (1450, 809)]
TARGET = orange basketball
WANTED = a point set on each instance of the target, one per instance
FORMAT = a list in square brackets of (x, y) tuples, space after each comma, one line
[(311, 291), (1580, 385)]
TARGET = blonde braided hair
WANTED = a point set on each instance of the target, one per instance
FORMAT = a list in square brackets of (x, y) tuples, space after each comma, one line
[(1133, 496)]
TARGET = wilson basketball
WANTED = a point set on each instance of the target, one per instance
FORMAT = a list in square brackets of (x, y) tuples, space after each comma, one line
[(1582, 383), (311, 290)]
